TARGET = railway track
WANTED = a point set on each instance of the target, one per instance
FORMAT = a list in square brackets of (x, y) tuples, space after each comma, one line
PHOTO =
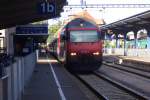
[(129, 69), (107, 89)]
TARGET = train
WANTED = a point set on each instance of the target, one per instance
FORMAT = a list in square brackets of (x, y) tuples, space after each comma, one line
[(78, 45)]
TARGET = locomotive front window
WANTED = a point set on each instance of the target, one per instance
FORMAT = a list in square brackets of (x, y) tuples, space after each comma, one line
[(84, 36)]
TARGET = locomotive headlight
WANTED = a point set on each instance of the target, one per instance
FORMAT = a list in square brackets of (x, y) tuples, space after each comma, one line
[(96, 53), (73, 54)]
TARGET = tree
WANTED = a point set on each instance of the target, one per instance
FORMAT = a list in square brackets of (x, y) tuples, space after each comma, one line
[(52, 31)]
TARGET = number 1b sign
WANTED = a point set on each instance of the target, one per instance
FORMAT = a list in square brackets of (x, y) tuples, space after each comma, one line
[(46, 8)]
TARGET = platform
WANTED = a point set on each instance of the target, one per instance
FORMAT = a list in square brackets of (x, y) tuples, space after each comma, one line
[(135, 58), (142, 63), (50, 81)]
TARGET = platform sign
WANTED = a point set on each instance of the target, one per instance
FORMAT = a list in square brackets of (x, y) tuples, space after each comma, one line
[(47, 8), (32, 30)]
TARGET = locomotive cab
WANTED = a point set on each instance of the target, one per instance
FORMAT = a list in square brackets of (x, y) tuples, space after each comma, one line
[(83, 46)]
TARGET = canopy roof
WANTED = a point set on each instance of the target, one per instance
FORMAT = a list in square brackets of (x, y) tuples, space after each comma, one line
[(138, 21), (18, 12)]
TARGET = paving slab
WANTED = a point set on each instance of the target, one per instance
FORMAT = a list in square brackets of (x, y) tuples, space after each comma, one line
[(43, 85)]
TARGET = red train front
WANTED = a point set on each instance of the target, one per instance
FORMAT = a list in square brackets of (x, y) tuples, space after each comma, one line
[(79, 45)]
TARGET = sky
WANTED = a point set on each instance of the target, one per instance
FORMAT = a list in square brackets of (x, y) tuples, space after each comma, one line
[(108, 14)]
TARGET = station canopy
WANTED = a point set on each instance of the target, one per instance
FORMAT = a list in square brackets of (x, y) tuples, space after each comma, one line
[(137, 21), (18, 12)]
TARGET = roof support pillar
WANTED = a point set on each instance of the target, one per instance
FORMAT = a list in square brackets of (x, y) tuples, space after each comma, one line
[(117, 41), (103, 35), (135, 42), (135, 39), (9, 40), (125, 44)]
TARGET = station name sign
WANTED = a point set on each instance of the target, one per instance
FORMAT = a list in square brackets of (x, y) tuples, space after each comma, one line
[(32, 30)]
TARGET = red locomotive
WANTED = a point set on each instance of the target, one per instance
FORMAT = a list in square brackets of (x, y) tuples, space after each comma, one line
[(79, 45)]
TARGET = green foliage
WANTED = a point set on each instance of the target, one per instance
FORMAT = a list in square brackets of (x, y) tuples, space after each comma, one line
[(52, 31), (107, 44)]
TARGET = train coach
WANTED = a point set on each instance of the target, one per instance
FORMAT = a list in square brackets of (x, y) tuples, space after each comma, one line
[(79, 45)]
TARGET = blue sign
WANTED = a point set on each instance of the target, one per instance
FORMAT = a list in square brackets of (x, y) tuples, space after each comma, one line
[(32, 30), (46, 8)]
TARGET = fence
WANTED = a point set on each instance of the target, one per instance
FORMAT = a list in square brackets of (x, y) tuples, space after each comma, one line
[(129, 52)]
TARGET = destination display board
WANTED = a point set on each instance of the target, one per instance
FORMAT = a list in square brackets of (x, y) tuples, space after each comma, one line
[(31, 30)]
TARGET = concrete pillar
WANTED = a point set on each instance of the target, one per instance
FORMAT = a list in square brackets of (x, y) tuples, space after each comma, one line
[(135, 40), (9, 40), (135, 43), (125, 44), (103, 35), (32, 46), (117, 41)]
